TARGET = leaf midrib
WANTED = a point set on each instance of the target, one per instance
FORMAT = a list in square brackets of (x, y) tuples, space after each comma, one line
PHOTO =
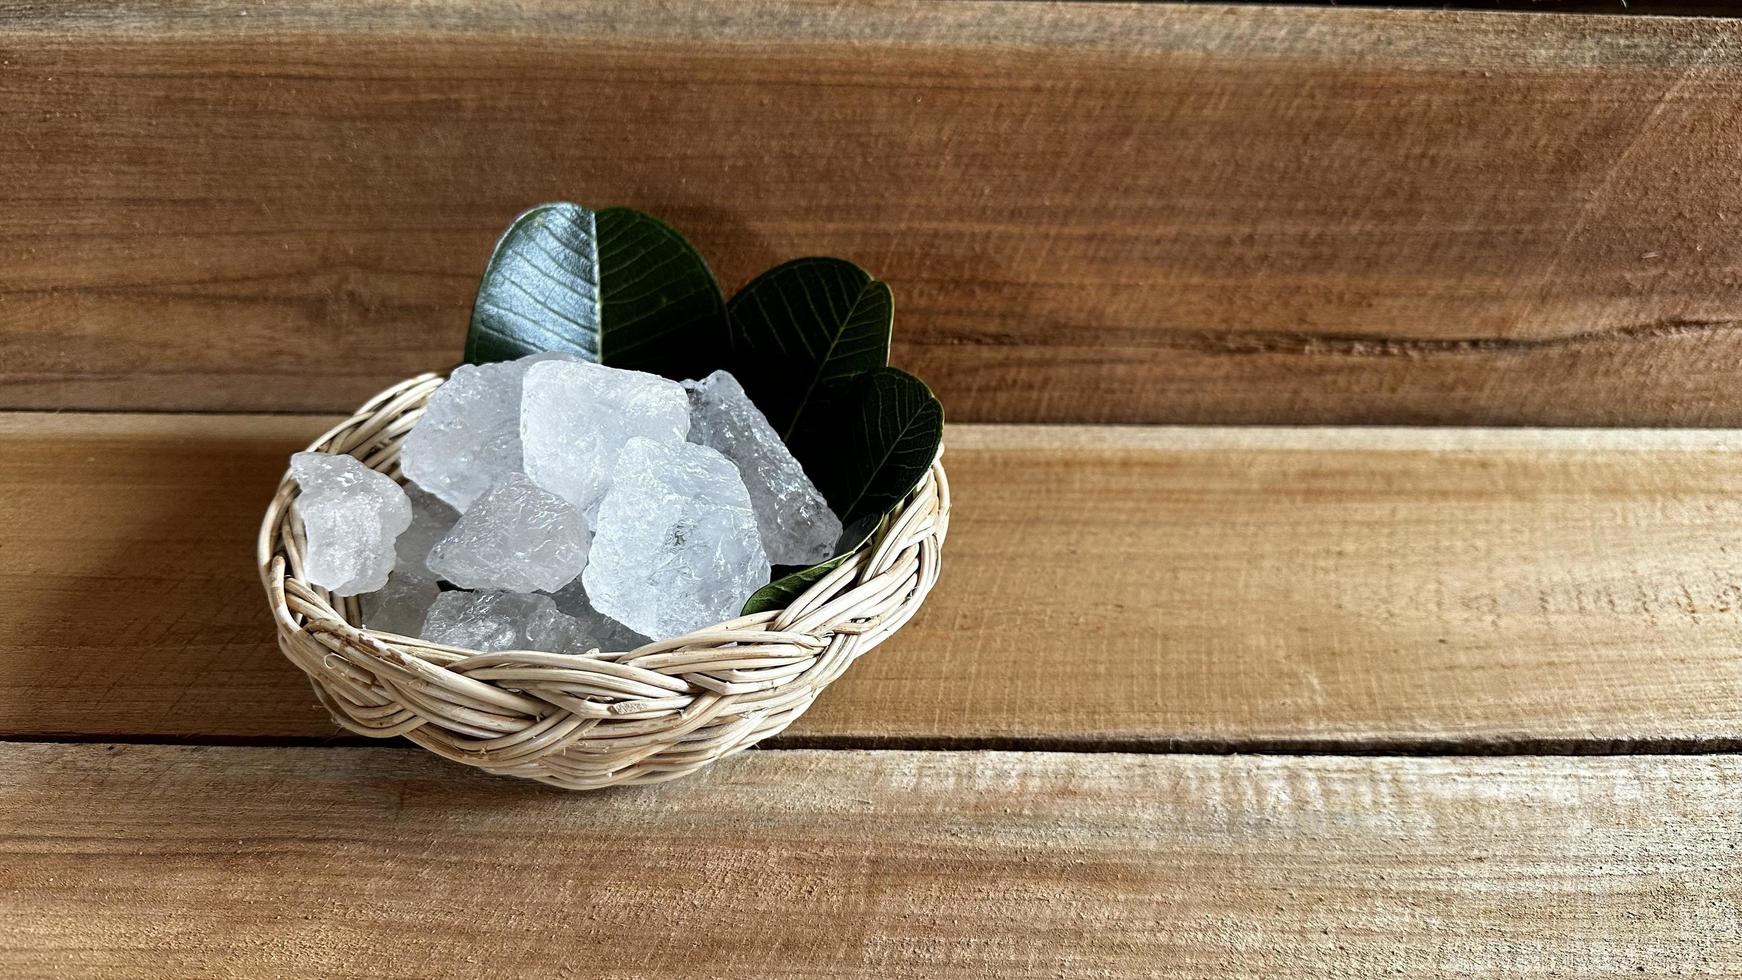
[(865, 485), (817, 377)]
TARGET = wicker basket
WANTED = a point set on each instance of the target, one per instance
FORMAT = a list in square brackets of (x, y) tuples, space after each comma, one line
[(586, 721)]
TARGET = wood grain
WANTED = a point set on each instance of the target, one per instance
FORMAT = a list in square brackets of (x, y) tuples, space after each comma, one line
[(349, 862), (1089, 212), (1315, 589)]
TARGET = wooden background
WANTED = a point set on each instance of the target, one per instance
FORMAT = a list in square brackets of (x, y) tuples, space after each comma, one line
[(1323, 700), (1089, 212)]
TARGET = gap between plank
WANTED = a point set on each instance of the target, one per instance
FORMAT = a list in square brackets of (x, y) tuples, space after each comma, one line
[(1716, 9), (1326, 748), (1051, 438)]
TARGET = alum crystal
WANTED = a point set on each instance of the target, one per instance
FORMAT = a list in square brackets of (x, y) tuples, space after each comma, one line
[(676, 546), (517, 537), (351, 516), (400, 605), (796, 524), (493, 621), (598, 631), (469, 435), (576, 416)]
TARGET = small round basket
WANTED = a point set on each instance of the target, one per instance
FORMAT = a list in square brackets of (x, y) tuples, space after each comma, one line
[(587, 721)]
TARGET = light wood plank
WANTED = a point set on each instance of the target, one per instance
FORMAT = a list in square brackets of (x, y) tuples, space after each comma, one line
[(1089, 212), (151, 860), (1102, 586)]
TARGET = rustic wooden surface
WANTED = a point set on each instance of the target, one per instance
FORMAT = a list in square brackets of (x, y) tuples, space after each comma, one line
[(1461, 703), (1089, 212), (1363, 589), (310, 862)]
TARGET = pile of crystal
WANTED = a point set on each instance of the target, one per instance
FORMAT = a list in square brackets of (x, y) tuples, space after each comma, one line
[(558, 505)]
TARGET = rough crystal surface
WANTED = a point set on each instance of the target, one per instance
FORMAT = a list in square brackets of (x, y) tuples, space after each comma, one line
[(351, 516), (469, 435), (431, 520), (400, 605), (598, 631), (576, 416), (517, 537), (492, 621), (676, 546), (797, 526)]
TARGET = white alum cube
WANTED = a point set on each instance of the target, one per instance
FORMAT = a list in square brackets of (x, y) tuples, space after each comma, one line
[(492, 621), (576, 416), (796, 524), (675, 546), (517, 538), (469, 435), (351, 517)]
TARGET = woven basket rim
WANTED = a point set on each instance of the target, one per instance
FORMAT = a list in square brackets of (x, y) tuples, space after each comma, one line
[(599, 718)]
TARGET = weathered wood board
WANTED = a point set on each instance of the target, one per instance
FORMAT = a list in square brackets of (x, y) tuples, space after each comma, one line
[(1089, 212), (305, 862), (1212, 588)]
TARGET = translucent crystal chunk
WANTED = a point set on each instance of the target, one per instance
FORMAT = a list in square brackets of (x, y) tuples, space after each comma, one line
[(492, 621), (351, 516), (797, 526), (598, 631), (469, 435), (576, 416), (400, 605), (676, 546), (517, 537)]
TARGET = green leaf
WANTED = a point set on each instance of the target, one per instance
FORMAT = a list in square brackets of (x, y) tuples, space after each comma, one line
[(540, 290), (789, 583), (615, 286), (866, 445), (805, 326), (663, 312), (870, 442)]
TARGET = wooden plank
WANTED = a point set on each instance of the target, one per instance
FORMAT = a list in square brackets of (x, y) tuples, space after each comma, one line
[(1290, 588), (1629, 8), (1089, 212), (187, 861)]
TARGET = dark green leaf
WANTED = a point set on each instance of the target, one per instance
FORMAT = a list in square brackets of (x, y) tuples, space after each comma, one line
[(617, 286), (870, 442), (540, 290), (866, 446), (663, 312), (790, 582), (805, 326)]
